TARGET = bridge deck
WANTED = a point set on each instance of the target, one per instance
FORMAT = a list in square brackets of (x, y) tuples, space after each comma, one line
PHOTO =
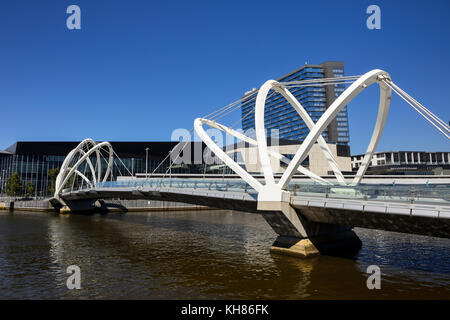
[(411, 209)]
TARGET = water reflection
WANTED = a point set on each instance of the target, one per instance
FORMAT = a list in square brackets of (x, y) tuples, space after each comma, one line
[(202, 255)]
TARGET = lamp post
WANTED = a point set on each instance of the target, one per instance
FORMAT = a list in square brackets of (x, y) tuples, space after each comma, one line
[(146, 161)]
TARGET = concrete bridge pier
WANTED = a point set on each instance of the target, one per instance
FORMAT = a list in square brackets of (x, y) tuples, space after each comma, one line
[(9, 205), (299, 237), (78, 206)]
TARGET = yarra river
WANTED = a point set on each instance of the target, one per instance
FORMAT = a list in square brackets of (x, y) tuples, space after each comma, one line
[(203, 255)]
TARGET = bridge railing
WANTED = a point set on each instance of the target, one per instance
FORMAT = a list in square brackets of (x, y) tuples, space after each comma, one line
[(408, 193), (403, 193), (210, 184)]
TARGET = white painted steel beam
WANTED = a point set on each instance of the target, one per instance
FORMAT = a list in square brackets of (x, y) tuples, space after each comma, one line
[(315, 135), (66, 171)]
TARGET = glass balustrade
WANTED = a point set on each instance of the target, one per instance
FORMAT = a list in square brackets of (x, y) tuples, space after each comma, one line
[(401, 193)]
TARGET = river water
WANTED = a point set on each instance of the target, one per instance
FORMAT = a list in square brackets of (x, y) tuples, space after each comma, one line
[(203, 255)]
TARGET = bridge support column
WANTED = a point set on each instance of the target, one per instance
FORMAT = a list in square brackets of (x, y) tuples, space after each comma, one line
[(302, 238), (79, 206), (344, 243)]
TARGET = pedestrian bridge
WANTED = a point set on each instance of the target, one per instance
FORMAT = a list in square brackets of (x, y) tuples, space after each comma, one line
[(417, 209), (309, 218)]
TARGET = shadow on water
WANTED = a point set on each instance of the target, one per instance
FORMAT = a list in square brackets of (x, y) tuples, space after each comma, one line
[(400, 250)]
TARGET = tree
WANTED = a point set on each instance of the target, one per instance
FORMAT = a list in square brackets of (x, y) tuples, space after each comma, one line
[(29, 189), (52, 174), (72, 182), (14, 185)]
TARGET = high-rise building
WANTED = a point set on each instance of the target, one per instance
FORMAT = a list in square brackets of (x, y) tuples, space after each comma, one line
[(280, 115)]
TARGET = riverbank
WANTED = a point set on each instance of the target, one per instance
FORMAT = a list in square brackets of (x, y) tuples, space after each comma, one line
[(116, 205)]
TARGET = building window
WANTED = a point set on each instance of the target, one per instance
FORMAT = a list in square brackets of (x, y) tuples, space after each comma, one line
[(395, 156)]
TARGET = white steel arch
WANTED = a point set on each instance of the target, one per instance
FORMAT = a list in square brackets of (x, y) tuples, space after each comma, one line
[(198, 125), (371, 77), (255, 184), (66, 171), (261, 133), (273, 191)]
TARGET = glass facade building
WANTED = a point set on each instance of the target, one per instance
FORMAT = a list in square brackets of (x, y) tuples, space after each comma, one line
[(280, 115), (33, 160)]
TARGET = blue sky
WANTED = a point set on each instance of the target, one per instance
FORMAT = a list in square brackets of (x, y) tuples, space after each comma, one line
[(139, 69)]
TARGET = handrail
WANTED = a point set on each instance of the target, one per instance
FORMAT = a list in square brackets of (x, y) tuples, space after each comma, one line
[(404, 193)]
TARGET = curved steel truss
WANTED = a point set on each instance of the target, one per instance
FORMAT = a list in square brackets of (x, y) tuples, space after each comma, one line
[(272, 190), (88, 155)]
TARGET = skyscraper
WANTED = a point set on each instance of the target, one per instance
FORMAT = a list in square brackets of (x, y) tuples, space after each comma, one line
[(279, 114)]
